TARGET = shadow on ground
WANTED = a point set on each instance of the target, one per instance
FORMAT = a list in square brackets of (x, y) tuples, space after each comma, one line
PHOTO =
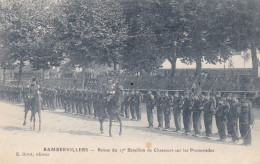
[(181, 135), (85, 133), (14, 128)]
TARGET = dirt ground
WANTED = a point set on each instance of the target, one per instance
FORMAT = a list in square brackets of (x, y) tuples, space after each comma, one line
[(81, 142)]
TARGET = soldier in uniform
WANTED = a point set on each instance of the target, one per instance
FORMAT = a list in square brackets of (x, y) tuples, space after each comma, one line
[(197, 109), (166, 105), (187, 111), (89, 102), (229, 119), (221, 113), (95, 102), (177, 106), (209, 108), (137, 104), (246, 120), (132, 105), (149, 107), (158, 102), (218, 120), (126, 104), (235, 110)]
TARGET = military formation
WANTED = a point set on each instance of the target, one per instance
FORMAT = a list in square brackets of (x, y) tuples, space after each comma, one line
[(232, 114), (10, 93), (234, 117)]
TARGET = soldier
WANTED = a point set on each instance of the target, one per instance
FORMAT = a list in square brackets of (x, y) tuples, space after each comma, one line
[(122, 112), (78, 101), (166, 106), (229, 119), (235, 110), (84, 102), (246, 120), (126, 104), (95, 102), (158, 102), (197, 109), (221, 113), (187, 111), (218, 120), (209, 108), (89, 102), (149, 108), (132, 105), (137, 104), (177, 106)]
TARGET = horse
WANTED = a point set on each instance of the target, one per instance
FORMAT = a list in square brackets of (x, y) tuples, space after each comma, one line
[(33, 103), (109, 106)]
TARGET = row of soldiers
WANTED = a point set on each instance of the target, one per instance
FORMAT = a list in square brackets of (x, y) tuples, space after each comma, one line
[(86, 102), (9, 93), (228, 110)]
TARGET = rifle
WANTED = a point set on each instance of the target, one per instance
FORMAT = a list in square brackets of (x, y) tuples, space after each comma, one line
[(226, 87), (203, 81), (214, 83)]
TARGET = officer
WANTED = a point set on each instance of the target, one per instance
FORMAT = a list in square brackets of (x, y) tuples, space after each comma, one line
[(166, 105), (209, 108), (221, 113), (197, 109), (246, 120), (149, 107), (158, 103), (187, 111), (177, 106)]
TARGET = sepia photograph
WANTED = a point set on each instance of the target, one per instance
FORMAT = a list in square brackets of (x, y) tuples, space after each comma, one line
[(129, 81)]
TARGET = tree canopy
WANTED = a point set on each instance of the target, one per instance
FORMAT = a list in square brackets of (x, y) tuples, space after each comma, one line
[(137, 35)]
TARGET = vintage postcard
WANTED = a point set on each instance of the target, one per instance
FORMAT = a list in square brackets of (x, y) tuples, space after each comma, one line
[(129, 81)]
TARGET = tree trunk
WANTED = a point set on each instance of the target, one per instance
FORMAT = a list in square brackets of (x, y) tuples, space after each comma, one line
[(254, 61), (173, 63), (20, 71), (198, 66)]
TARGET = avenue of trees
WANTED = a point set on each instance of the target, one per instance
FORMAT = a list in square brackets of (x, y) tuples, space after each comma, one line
[(138, 35)]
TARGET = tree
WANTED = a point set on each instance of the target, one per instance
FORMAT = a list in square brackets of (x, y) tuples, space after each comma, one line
[(139, 53), (242, 21), (170, 27), (26, 33)]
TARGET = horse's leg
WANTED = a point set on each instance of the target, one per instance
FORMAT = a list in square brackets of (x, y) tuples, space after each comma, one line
[(31, 119), (110, 126), (101, 120), (120, 122), (25, 115), (39, 114)]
